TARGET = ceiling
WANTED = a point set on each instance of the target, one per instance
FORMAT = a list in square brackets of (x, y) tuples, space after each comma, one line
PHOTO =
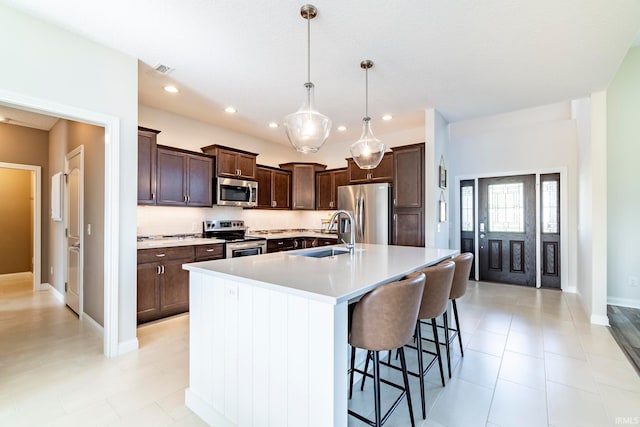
[(466, 58)]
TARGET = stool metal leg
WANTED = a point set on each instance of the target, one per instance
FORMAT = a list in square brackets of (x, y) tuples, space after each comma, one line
[(455, 315), (437, 342), (353, 362), (405, 377), (445, 318), (366, 369), (421, 368), (376, 387)]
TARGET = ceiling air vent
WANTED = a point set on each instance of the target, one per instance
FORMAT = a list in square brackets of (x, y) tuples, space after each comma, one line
[(163, 69)]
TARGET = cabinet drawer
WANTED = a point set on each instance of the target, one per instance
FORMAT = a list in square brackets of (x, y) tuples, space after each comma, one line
[(161, 254), (207, 252)]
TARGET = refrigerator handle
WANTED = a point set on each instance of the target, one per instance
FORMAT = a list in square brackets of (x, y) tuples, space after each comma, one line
[(360, 219)]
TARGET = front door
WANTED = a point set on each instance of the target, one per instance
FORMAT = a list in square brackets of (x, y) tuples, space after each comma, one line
[(507, 229), (73, 229)]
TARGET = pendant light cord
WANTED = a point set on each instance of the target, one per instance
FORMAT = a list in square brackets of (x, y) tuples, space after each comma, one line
[(366, 92), (308, 49)]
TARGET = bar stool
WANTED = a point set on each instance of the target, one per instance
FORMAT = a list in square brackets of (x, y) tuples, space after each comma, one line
[(463, 264), (438, 280), (384, 320)]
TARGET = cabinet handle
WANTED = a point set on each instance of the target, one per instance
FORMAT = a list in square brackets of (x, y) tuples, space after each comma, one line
[(188, 199), (210, 250), (153, 196), (281, 243), (369, 175), (162, 269), (157, 269), (274, 203), (161, 255)]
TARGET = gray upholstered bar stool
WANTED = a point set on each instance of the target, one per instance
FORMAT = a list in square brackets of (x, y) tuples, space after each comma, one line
[(435, 298), (384, 320), (463, 264)]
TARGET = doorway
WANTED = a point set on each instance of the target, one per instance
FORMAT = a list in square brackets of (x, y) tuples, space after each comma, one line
[(512, 224)]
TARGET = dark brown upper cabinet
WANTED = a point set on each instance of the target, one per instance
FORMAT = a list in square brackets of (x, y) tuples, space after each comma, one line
[(327, 183), (382, 173), (303, 176), (232, 163), (183, 178), (274, 188), (147, 152), (408, 195)]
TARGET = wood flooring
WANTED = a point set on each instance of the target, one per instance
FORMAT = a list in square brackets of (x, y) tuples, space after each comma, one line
[(625, 328)]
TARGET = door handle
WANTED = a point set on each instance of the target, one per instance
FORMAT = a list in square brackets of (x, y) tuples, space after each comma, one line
[(76, 245)]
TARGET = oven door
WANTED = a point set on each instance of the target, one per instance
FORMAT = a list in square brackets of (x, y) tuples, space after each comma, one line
[(235, 250)]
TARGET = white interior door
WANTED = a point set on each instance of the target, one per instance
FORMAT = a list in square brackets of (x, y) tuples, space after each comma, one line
[(74, 195)]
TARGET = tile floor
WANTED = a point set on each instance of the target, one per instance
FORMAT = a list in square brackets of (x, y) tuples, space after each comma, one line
[(531, 359)]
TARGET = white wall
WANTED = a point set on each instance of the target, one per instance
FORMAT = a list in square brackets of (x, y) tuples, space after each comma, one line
[(537, 139), (436, 147), (623, 195), (60, 70)]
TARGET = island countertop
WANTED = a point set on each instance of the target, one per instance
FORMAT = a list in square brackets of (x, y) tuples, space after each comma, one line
[(331, 280)]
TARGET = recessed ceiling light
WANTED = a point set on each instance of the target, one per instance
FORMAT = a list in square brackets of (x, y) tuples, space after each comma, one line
[(171, 89), (342, 128), (273, 125), (230, 110), (387, 117)]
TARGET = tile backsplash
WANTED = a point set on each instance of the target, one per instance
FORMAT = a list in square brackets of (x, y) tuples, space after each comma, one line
[(165, 220)]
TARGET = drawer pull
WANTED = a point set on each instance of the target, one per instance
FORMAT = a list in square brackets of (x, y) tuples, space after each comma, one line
[(161, 255), (210, 250)]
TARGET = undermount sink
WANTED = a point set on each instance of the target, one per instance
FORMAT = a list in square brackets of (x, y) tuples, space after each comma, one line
[(324, 252)]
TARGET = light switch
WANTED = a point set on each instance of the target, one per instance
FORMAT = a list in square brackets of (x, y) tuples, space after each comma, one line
[(88, 229)]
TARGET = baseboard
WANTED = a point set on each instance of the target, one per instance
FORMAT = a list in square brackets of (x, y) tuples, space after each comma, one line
[(93, 324), (571, 290), (624, 302), (9, 277), (599, 319), (127, 346), (43, 287), (205, 410), (56, 294)]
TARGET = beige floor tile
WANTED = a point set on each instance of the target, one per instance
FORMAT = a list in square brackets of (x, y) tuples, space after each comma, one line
[(478, 368), (149, 416), (616, 373), (569, 371), (620, 404), (568, 406), (462, 404), (523, 369), (531, 344), (488, 342), (564, 344), (518, 405)]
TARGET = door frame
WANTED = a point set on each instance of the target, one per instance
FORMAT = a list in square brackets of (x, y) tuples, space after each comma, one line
[(78, 151), (111, 125), (36, 221), (564, 218)]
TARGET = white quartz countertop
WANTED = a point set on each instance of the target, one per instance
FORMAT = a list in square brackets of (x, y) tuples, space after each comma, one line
[(333, 279), (170, 242), (291, 234)]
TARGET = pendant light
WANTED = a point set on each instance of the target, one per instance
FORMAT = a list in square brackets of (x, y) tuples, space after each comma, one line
[(307, 129), (367, 152)]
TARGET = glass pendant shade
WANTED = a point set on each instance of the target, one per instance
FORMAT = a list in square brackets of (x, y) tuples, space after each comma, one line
[(307, 129), (368, 151)]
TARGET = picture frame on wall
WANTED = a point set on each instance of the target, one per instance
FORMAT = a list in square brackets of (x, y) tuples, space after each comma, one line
[(442, 174)]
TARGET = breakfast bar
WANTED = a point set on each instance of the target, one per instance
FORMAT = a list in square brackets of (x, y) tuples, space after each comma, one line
[(268, 333)]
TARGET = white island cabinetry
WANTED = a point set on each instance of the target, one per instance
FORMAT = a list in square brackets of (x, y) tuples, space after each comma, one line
[(268, 333)]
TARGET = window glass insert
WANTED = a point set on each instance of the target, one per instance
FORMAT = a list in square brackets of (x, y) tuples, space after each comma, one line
[(506, 207), (467, 208)]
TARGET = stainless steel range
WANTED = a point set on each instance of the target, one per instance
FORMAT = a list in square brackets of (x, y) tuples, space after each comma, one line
[(233, 231)]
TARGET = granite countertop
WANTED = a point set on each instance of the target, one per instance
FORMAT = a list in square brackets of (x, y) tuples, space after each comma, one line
[(332, 279), (152, 242)]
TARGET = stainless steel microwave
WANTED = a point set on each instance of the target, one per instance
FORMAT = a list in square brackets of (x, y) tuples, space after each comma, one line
[(236, 192)]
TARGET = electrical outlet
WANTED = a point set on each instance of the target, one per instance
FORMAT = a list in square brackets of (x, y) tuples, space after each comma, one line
[(633, 281)]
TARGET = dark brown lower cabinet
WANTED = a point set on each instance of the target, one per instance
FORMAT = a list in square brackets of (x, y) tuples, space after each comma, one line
[(163, 285), (408, 227)]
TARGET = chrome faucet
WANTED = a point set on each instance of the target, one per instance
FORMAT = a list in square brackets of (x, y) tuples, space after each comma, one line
[(352, 243)]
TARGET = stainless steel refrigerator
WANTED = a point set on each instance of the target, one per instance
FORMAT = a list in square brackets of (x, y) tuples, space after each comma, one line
[(370, 205)]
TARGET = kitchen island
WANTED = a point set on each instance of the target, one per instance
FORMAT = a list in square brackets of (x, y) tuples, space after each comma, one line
[(268, 333)]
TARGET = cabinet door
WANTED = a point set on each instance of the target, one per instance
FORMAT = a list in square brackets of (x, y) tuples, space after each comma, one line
[(263, 177), (171, 178), (281, 190), (408, 177), (340, 177), (304, 195), (226, 163), (324, 190), (147, 153), (408, 227), (199, 181), (246, 165), (174, 288), (357, 175), (148, 283), (384, 171)]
